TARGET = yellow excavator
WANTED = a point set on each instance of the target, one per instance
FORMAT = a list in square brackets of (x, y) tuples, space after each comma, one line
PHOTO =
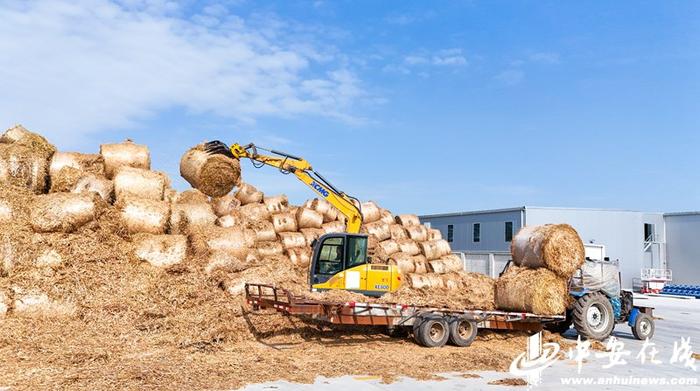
[(339, 260)]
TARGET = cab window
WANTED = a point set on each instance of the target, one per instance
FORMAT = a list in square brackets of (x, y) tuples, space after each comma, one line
[(330, 258), (357, 251)]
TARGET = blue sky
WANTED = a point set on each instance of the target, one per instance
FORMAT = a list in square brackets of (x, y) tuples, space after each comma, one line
[(422, 106)]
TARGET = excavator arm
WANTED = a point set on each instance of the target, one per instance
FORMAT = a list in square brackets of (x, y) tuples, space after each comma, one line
[(347, 205)]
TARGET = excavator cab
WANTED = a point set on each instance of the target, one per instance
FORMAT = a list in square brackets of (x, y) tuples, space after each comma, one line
[(340, 261)]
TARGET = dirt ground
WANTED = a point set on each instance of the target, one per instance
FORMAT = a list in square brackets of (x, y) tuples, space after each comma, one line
[(280, 348)]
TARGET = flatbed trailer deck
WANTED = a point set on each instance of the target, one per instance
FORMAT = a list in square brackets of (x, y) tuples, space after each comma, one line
[(431, 326)]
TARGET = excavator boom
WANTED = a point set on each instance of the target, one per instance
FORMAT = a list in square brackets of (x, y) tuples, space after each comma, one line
[(347, 205)]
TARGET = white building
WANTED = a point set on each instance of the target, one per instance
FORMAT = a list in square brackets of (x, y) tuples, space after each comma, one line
[(649, 243)]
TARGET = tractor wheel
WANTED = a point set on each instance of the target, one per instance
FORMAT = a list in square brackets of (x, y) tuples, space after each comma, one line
[(593, 316), (462, 332), (643, 326), (431, 332)]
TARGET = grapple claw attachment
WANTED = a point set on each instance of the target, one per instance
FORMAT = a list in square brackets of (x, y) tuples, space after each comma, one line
[(217, 147)]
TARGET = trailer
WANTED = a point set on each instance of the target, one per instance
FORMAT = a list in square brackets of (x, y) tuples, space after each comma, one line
[(431, 326)]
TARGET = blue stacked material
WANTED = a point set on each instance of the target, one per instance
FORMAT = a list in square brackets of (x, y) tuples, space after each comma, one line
[(682, 290)]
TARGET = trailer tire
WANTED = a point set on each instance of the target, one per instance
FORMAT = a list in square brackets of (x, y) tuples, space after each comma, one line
[(431, 332), (593, 316), (643, 326), (462, 332)]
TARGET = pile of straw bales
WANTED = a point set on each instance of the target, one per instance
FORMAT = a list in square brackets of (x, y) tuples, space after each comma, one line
[(234, 232)]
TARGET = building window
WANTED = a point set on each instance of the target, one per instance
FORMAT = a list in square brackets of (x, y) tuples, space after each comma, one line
[(476, 233), (450, 232), (509, 231)]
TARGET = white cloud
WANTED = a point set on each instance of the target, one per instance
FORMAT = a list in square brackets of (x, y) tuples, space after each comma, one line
[(545, 58), (510, 77), (446, 57), (415, 60), (68, 68)]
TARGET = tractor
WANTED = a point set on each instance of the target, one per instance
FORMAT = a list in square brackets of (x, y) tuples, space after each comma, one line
[(598, 303)]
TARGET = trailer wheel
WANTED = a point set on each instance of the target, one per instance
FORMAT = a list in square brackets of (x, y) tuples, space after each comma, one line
[(593, 316), (431, 332), (462, 332), (643, 326)]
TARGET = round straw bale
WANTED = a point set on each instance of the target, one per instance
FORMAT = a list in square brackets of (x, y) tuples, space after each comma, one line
[(397, 231), (417, 232), (389, 246), (184, 217), (255, 212), (407, 220), (230, 220), (284, 222), (23, 167), (215, 175), (222, 261), (322, 206), (370, 212), (300, 257), (144, 215), (557, 247), (248, 194), (539, 291), (377, 254), (160, 250), (446, 264), (91, 183), (191, 196), (434, 234), (292, 239), (124, 154), (435, 280), (408, 246), (276, 204), (235, 240), (333, 227), (421, 264), (308, 203), (311, 234), (378, 229), (61, 212), (139, 182), (386, 217), (267, 249), (92, 163), (403, 262), (432, 249), (264, 231), (225, 205), (20, 136), (425, 281), (309, 218), (64, 180), (170, 195)]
